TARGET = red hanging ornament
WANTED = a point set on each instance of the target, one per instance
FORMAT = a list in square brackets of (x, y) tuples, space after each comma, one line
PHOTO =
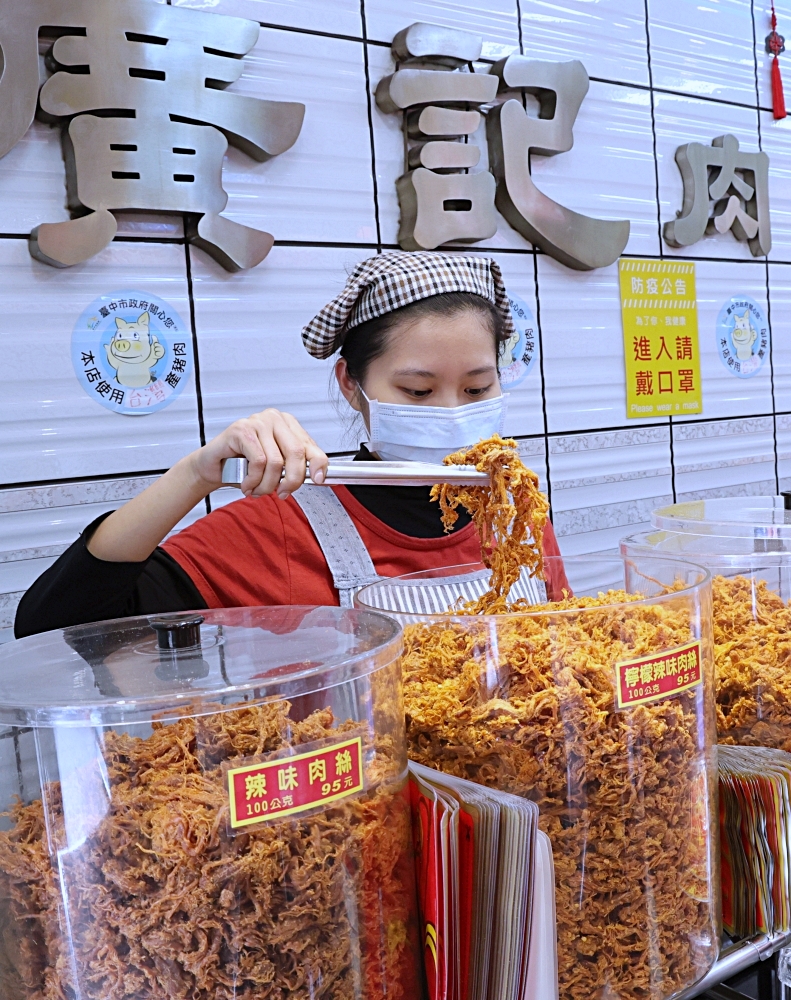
[(775, 44)]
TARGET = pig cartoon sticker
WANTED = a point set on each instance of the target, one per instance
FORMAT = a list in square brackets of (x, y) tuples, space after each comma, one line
[(520, 352), (132, 352), (742, 336)]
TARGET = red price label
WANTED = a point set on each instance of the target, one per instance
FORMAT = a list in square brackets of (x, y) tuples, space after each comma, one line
[(291, 784), (652, 678)]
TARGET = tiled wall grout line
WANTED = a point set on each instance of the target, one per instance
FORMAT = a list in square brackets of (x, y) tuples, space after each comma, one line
[(772, 376), (519, 26), (196, 356), (363, 245), (538, 320), (670, 436), (543, 384), (318, 34), (672, 93), (369, 103), (766, 260)]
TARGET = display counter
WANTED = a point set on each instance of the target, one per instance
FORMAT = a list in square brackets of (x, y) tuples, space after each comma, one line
[(745, 543), (601, 710), (209, 805)]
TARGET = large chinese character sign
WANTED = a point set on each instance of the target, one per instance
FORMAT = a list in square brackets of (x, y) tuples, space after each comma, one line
[(660, 336), (140, 90), (725, 189), (442, 197)]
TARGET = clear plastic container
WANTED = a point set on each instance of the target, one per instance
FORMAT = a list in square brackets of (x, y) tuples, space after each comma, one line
[(745, 543), (604, 716), (207, 807)]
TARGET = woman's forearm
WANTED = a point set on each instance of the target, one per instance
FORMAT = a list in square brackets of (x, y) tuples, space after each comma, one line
[(277, 450), (131, 533)]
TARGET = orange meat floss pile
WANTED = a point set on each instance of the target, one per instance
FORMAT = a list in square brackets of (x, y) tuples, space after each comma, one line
[(509, 515), (752, 650), (161, 902), (525, 703)]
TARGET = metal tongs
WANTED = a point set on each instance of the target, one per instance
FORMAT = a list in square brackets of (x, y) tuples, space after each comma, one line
[(234, 471)]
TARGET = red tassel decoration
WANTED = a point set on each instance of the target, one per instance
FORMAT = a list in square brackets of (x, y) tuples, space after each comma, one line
[(778, 98), (775, 44)]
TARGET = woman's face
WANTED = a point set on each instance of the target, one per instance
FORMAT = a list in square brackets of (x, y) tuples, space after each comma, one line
[(434, 361)]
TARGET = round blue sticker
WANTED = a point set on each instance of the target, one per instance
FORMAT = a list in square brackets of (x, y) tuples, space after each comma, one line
[(132, 352), (521, 351), (742, 336)]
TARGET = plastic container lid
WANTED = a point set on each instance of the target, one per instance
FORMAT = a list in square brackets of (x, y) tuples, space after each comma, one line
[(116, 671), (737, 517)]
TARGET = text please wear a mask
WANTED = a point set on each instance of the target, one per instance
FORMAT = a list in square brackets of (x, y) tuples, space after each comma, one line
[(413, 433)]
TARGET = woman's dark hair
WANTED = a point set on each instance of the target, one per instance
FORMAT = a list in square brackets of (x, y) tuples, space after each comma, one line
[(368, 341)]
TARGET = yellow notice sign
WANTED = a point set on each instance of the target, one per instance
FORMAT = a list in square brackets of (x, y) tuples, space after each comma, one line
[(660, 338)]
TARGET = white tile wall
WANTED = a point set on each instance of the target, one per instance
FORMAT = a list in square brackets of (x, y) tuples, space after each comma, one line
[(703, 48), (525, 403), (783, 431), (606, 473), (32, 182), (583, 347), (763, 25), (680, 120), (495, 20), (776, 142), (341, 17), (609, 36), (780, 300), (251, 353), (321, 189), (724, 394), (389, 146), (724, 458), (49, 427), (609, 173), (588, 473)]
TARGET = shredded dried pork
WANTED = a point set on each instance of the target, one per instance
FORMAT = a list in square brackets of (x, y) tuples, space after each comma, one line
[(160, 902), (509, 515), (752, 652), (525, 703)]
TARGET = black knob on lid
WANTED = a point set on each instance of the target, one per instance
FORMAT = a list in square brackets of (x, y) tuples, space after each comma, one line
[(177, 631)]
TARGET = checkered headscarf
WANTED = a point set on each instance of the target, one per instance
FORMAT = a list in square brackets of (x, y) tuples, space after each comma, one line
[(391, 280)]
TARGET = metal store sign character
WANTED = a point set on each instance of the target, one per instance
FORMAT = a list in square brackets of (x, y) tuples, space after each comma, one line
[(153, 76), (737, 183), (440, 200)]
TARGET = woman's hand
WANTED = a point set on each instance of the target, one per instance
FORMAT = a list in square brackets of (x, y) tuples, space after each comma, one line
[(271, 442)]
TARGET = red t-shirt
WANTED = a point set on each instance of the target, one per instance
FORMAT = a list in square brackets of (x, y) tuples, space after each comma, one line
[(262, 551)]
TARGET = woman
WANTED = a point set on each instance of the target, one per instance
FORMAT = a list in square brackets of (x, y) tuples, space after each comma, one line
[(419, 336)]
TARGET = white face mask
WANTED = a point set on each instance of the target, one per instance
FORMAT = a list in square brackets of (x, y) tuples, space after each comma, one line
[(412, 433)]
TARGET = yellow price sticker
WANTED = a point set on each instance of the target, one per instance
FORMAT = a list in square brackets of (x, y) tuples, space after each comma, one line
[(660, 337)]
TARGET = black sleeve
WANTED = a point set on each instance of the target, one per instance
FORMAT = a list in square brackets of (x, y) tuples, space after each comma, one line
[(79, 588)]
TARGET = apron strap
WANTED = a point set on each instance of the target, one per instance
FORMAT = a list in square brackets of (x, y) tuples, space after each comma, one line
[(347, 557), (352, 567)]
